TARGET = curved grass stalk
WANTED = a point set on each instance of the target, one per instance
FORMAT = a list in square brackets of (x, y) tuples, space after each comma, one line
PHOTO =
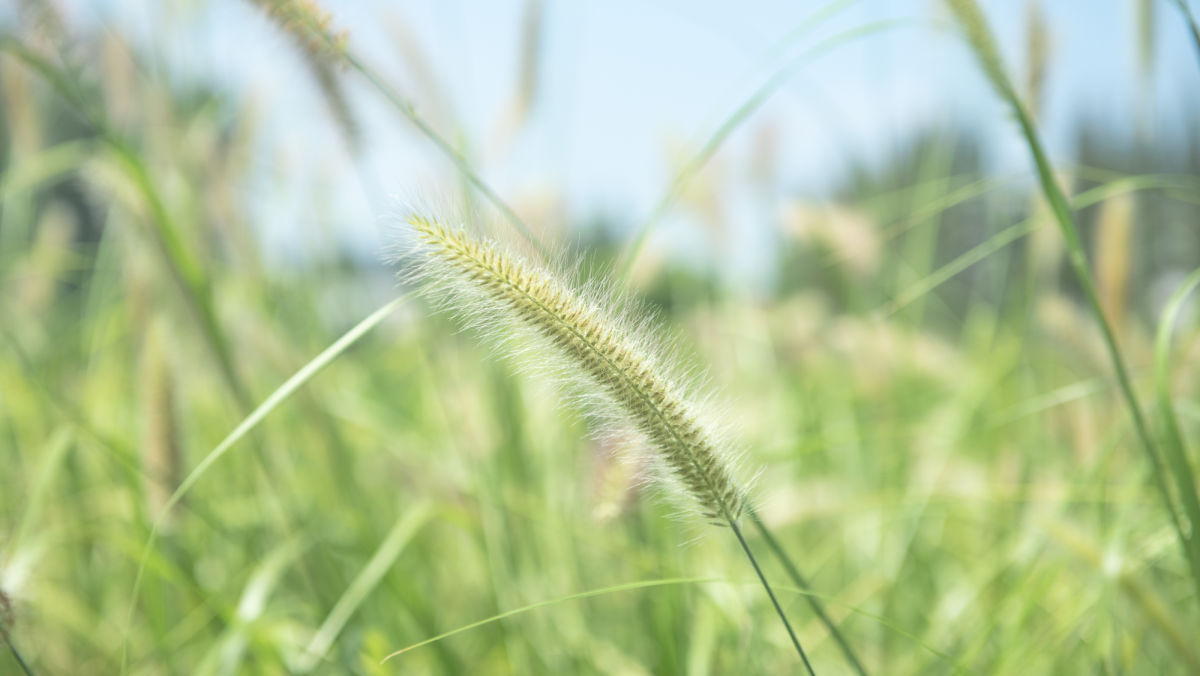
[(731, 123), (979, 36), (397, 539), (647, 584), (1012, 233), (184, 272), (550, 602), (410, 111), (1174, 441), (1142, 596), (1190, 20), (476, 276), (276, 398), (24, 666), (802, 585)]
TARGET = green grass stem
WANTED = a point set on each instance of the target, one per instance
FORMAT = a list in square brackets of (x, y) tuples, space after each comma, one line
[(979, 36), (273, 401), (1173, 438), (1190, 20), (587, 336), (802, 583)]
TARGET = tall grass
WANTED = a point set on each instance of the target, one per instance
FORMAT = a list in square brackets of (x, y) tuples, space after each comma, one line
[(6, 622), (477, 279), (329, 48), (214, 464), (1185, 516)]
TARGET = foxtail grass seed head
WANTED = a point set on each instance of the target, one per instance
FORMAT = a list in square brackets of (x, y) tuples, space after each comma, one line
[(311, 26), (1037, 56), (976, 30), (484, 282), (324, 50)]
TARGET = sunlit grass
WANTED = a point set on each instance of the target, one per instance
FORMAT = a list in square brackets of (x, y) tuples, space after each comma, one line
[(214, 465)]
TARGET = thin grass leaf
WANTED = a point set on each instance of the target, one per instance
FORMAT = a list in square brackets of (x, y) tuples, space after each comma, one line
[(804, 587), (1190, 20), (975, 27), (1138, 591), (280, 395), (44, 165), (731, 123), (401, 533), (229, 650), (16, 655), (998, 241), (185, 273), (949, 659), (629, 586), (647, 584), (1174, 441), (54, 456)]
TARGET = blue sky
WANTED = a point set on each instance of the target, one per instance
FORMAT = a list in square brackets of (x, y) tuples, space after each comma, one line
[(623, 85)]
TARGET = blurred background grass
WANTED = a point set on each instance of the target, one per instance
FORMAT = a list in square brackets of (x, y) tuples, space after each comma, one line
[(944, 448)]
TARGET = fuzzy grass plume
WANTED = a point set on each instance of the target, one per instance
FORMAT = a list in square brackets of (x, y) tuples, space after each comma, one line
[(586, 335), (477, 276)]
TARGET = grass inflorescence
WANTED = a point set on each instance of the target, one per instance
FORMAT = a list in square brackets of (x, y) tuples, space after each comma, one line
[(220, 458), (587, 334), (311, 25), (480, 276)]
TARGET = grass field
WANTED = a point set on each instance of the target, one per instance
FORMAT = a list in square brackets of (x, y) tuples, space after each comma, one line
[(971, 401)]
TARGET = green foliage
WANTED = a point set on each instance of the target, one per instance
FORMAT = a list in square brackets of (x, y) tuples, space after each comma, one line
[(212, 465)]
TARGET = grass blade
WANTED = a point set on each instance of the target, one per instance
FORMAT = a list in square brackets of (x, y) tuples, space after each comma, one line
[(805, 588), (727, 127), (184, 271), (1015, 232), (402, 532), (280, 395), (979, 36), (1191, 24), (1173, 439), (1140, 594), (542, 604)]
